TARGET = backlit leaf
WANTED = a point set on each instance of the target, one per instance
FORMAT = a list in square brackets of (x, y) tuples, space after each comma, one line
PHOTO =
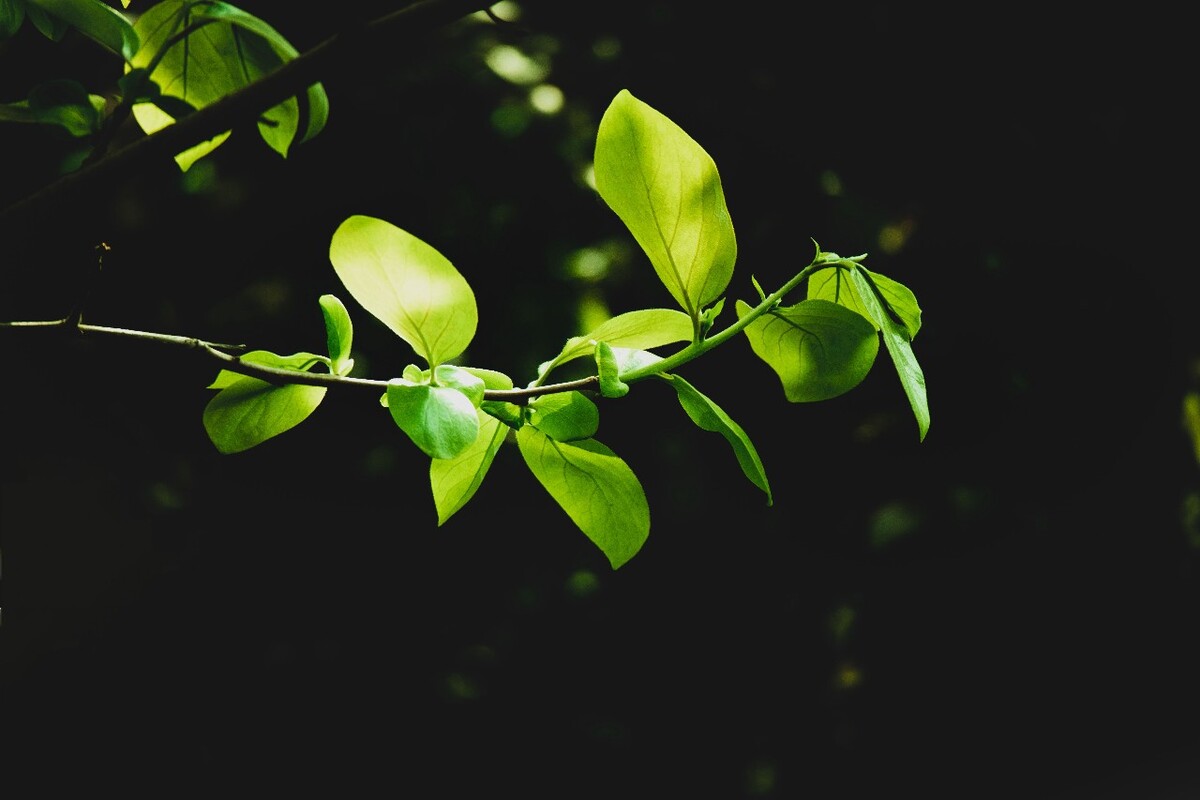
[(595, 487), (407, 285), (817, 348), (666, 189)]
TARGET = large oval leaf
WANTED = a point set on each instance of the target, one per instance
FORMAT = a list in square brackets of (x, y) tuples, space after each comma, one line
[(407, 285), (817, 348), (667, 191), (595, 487)]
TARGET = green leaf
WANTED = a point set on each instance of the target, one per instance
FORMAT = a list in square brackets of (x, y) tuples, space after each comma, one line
[(834, 284), (64, 103), (96, 20), (609, 373), (441, 421), (642, 330), (710, 417), (248, 411), (490, 377), (595, 487), (301, 362), (455, 480), (316, 105), (227, 49), (817, 348), (896, 338), (12, 14), (407, 285), (51, 26), (667, 191), (339, 334), (564, 416)]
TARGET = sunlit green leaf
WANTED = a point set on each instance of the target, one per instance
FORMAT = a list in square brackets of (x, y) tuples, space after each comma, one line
[(595, 487), (227, 50), (96, 20), (642, 330), (667, 191), (248, 411), (835, 284), (441, 421), (490, 377), (407, 285), (339, 333), (565, 416), (896, 338), (455, 480), (710, 417), (817, 348)]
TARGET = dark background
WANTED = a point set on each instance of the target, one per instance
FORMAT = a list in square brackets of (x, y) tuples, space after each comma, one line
[(1006, 609)]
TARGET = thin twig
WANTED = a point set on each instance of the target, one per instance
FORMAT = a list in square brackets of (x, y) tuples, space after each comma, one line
[(281, 375)]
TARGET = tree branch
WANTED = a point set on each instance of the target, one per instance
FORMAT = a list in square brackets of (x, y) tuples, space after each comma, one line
[(278, 375), (246, 105)]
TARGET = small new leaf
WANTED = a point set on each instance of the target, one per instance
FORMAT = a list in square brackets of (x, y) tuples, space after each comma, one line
[(339, 334), (607, 370)]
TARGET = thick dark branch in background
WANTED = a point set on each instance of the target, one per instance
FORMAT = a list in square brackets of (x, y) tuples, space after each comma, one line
[(293, 78)]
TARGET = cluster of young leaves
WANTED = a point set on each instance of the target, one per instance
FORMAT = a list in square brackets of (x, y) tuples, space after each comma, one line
[(667, 191), (177, 56)]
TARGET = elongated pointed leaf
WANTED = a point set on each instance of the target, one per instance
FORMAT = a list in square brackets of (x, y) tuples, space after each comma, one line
[(96, 20), (817, 348), (441, 421), (643, 329), (407, 284), (710, 417), (248, 411), (896, 339), (455, 480), (595, 487), (667, 191)]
